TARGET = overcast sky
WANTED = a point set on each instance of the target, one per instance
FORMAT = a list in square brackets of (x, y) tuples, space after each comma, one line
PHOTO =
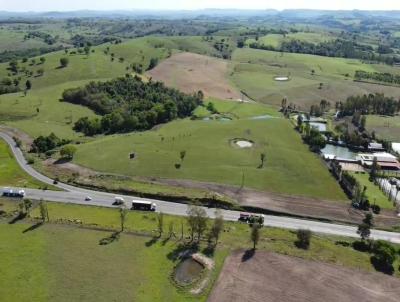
[(66, 5)]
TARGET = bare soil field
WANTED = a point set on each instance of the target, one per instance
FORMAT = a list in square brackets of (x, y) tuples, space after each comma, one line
[(278, 278), (191, 72)]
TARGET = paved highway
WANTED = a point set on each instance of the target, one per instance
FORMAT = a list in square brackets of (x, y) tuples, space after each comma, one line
[(77, 196)]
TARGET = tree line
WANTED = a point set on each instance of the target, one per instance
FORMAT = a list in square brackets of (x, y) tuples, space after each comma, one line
[(377, 76), (336, 48), (376, 103), (129, 104)]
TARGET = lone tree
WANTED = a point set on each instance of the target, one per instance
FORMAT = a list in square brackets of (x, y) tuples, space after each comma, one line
[(197, 221), (42, 60), (44, 213), (160, 223), (303, 239), (64, 62), (122, 215), (255, 234), (374, 170), (364, 229), (182, 155), (28, 85), (68, 151), (217, 227), (262, 158)]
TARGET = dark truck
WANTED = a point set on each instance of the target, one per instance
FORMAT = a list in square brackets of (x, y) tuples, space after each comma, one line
[(7, 192), (143, 205), (251, 218)]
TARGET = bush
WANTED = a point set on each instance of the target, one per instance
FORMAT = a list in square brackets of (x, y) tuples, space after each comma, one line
[(303, 239), (376, 209), (384, 256), (30, 160)]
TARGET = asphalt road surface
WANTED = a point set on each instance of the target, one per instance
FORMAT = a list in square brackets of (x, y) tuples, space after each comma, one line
[(77, 195)]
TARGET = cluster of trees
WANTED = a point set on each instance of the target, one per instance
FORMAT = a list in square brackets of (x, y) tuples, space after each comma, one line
[(9, 55), (47, 38), (336, 48), (43, 144), (376, 103), (311, 135), (129, 104), (318, 110), (377, 76), (9, 86)]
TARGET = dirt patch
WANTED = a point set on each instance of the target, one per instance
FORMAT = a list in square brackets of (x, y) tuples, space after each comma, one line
[(25, 139), (272, 277), (193, 72), (340, 211)]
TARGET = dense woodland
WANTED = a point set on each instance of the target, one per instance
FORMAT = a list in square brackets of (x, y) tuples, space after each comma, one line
[(129, 104)]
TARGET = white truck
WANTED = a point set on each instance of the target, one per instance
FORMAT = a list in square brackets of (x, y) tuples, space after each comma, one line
[(7, 192)]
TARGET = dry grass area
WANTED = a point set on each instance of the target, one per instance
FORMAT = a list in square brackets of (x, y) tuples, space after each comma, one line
[(191, 72), (272, 277)]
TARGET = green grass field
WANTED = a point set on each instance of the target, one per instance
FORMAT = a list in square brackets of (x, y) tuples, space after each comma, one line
[(386, 127), (210, 155), (66, 263), (374, 194), (77, 268), (10, 172), (276, 40), (254, 71)]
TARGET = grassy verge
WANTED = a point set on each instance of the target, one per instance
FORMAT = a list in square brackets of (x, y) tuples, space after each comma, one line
[(374, 194), (10, 172)]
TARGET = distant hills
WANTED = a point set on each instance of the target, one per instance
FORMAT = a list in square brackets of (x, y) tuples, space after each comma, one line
[(289, 13)]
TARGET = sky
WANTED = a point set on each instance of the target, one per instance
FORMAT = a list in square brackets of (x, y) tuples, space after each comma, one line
[(68, 5)]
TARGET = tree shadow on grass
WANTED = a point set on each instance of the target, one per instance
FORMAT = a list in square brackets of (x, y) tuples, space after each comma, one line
[(110, 239), (181, 249), (33, 227), (152, 241), (19, 217), (248, 254)]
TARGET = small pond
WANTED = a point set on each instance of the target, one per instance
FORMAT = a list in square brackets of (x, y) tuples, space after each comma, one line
[(321, 127), (339, 151), (261, 117), (188, 271)]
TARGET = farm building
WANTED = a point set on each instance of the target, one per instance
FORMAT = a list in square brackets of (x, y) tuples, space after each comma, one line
[(385, 160)]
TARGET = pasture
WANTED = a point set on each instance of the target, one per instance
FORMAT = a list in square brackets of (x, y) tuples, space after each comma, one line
[(385, 127), (210, 155), (254, 71)]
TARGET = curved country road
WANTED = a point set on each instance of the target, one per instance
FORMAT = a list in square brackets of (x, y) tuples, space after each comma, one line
[(77, 195)]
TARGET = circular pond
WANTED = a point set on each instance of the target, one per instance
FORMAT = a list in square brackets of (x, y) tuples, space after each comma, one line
[(281, 78), (188, 271), (244, 144)]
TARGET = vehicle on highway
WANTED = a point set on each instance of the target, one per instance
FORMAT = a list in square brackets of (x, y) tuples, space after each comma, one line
[(7, 192), (143, 205), (251, 218), (118, 201), (88, 198)]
